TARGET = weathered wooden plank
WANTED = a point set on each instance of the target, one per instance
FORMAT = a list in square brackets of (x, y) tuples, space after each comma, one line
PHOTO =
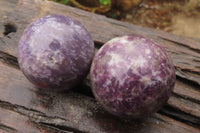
[(181, 116), (86, 115), (71, 110), (16, 122), (186, 91), (144, 29), (184, 51), (13, 122), (185, 106), (23, 19)]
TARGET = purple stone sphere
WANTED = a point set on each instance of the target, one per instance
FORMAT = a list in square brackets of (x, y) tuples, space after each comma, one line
[(55, 52), (132, 76)]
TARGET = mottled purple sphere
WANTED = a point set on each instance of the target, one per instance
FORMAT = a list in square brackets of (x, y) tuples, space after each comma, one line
[(55, 52), (132, 76)]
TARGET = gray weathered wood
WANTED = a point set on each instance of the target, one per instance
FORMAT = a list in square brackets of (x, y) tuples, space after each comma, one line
[(74, 111)]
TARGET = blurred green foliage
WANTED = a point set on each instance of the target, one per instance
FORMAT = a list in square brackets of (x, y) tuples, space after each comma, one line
[(105, 2), (102, 2), (63, 1)]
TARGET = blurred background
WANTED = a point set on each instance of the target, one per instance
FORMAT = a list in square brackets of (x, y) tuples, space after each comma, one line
[(181, 17)]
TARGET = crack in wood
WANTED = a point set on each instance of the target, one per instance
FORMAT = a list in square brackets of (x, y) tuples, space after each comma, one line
[(180, 116), (186, 77), (7, 128), (61, 128), (187, 98), (9, 59), (40, 118), (179, 43), (9, 28)]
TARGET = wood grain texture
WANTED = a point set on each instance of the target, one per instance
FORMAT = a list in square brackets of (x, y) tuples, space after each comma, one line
[(184, 51), (74, 111), (14, 122), (71, 111)]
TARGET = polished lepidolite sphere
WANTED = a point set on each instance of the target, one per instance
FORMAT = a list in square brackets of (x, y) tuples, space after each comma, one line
[(132, 76), (55, 52)]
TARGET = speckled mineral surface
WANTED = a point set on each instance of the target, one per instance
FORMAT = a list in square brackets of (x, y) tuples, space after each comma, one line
[(132, 76), (55, 52)]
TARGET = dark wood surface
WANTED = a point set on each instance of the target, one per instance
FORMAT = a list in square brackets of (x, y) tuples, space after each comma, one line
[(24, 108)]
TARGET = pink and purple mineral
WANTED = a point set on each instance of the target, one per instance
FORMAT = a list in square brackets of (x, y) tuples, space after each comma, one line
[(55, 52), (132, 76)]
